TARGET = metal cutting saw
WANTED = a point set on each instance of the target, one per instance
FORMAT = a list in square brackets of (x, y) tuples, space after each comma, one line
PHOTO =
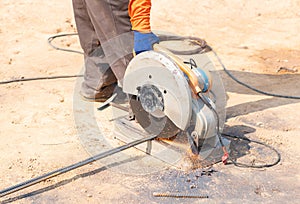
[(174, 91)]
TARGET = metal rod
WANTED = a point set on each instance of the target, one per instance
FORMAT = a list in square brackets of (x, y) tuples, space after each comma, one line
[(179, 195), (57, 172), (107, 102), (119, 106)]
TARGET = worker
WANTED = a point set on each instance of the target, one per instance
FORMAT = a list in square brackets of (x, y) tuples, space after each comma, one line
[(109, 30)]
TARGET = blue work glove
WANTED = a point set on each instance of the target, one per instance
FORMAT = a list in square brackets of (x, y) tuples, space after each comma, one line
[(144, 41)]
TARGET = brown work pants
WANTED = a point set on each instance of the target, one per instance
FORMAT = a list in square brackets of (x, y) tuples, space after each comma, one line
[(105, 35)]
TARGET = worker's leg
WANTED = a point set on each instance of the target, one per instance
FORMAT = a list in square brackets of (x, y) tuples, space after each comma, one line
[(113, 28), (97, 75)]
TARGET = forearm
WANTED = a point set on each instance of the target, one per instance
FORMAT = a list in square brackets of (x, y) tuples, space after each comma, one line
[(139, 12)]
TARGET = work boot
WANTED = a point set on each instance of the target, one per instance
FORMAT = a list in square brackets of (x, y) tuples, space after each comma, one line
[(101, 96)]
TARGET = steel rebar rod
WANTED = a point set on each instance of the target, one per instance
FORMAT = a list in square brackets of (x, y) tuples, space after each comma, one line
[(179, 195), (57, 172)]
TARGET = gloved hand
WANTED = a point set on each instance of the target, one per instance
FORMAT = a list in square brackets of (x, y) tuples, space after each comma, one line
[(144, 41)]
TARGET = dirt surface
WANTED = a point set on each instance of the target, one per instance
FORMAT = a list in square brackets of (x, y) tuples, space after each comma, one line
[(257, 40)]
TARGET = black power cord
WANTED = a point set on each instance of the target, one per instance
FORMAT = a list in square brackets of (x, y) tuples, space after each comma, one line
[(50, 39), (247, 85), (40, 78), (226, 155), (257, 142), (202, 44)]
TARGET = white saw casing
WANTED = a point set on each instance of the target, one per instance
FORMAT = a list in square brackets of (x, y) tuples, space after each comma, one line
[(154, 68)]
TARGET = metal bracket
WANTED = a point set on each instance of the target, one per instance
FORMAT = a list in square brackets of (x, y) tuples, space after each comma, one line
[(149, 147), (131, 115)]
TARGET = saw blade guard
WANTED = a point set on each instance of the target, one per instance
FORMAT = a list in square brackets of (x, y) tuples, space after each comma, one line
[(156, 70)]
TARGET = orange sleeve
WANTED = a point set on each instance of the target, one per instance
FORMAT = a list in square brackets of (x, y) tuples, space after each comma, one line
[(139, 12)]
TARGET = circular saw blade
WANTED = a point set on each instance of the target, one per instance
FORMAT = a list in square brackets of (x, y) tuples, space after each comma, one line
[(161, 126)]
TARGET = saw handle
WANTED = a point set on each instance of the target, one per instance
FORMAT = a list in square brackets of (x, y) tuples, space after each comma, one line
[(193, 80)]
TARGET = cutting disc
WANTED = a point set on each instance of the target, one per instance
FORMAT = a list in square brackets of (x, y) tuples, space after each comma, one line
[(160, 125)]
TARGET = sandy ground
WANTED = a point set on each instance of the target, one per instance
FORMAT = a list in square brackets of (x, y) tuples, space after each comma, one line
[(38, 132)]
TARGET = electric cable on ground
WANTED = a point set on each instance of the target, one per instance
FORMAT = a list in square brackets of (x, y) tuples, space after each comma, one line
[(40, 78), (247, 85), (201, 43), (257, 142), (50, 39)]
